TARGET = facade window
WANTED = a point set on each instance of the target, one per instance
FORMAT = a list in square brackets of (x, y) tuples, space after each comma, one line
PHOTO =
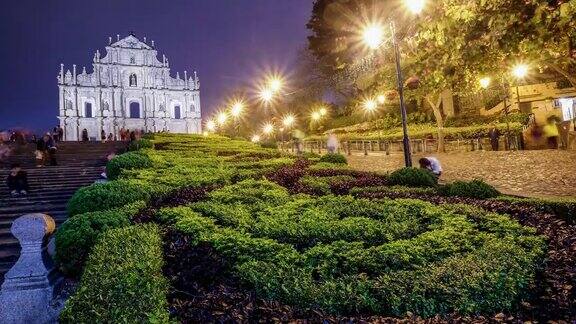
[(134, 110), (177, 113), (88, 110), (133, 80)]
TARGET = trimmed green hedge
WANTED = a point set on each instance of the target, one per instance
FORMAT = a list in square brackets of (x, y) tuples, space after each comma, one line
[(473, 189), (334, 158), (104, 196), (563, 208), (127, 161), (76, 237), (140, 144), (347, 255), (412, 177), (123, 281)]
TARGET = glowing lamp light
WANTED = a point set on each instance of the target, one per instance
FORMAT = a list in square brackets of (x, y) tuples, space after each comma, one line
[(316, 115), (266, 95), (323, 111), (268, 128), (288, 120), (275, 84), (381, 99), (373, 36), (205, 133), (485, 82), (415, 6), (222, 117), (255, 139), (237, 108), (520, 71), (211, 125), (370, 105)]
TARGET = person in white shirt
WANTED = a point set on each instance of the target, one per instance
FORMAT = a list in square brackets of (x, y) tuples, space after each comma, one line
[(431, 164)]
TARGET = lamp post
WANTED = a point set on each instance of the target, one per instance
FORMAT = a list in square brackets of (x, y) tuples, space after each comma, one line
[(373, 38), (236, 111), (400, 79)]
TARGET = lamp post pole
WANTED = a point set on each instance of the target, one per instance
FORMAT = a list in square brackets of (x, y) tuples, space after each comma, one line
[(405, 140)]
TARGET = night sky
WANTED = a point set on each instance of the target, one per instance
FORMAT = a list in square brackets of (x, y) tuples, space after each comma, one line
[(228, 42)]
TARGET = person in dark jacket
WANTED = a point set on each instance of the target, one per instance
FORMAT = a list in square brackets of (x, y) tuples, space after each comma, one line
[(51, 149), (494, 135), (85, 135), (17, 181)]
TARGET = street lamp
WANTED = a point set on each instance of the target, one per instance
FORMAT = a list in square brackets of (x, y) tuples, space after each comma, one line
[(485, 82), (211, 125), (323, 111), (236, 111), (370, 105), (316, 116), (373, 36), (266, 95), (288, 120), (275, 84), (268, 129), (256, 138), (381, 99), (222, 118)]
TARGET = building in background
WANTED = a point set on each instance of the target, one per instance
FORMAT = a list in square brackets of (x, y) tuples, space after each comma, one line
[(129, 88)]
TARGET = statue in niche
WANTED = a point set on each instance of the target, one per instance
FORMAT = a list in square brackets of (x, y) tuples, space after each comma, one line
[(162, 108), (105, 106), (68, 104)]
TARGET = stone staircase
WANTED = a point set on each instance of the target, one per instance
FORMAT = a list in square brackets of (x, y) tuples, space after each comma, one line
[(79, 165)]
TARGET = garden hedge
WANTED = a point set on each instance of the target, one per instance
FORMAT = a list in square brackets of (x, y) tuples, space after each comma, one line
[(104, 196), (123, 281), (76, 237), (127, 161), (412, 177), (333, 158), (473, 189), (348, 255)]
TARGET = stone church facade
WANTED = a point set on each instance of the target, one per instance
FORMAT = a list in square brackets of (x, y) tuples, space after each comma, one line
[(129, 88)]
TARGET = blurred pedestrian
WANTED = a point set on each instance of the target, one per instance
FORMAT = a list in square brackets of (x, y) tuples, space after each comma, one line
[(494, 135), (551, 133), (51, 149), (332, 143), (85, 135), (103, 136), (40, 152)]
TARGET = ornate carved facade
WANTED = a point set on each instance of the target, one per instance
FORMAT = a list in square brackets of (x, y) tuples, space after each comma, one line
[(129, 88)]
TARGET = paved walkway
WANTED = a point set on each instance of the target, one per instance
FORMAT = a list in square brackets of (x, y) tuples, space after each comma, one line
[(548, 173)]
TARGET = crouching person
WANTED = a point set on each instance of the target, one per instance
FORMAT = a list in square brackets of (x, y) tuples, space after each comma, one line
[(17, 181), (431, 164)]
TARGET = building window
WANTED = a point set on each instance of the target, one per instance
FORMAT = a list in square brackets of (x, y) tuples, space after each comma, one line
[(134, 110), (88, 110), (133, 80), (177, 114)]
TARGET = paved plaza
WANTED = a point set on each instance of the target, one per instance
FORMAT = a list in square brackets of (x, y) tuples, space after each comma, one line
[(548, 173)]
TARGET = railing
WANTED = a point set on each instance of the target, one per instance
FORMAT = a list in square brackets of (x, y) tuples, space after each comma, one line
[(394, 147)]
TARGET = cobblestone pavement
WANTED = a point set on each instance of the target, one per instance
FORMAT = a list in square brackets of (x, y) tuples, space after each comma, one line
[(548, 173)]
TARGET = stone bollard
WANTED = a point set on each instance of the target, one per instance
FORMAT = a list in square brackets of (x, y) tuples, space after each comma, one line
[(27, 292)]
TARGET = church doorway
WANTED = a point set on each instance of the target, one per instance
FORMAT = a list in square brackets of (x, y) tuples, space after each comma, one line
[(134, 110)]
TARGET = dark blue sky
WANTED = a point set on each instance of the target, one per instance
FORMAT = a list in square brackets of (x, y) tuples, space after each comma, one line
[(226, 41)]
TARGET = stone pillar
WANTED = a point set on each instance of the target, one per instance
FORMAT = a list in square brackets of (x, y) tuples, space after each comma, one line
[(27, 292)]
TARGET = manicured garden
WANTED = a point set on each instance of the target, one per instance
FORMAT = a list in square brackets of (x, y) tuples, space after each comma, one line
[(203, 229)]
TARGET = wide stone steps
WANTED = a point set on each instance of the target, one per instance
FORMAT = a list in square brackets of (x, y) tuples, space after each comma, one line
[(79, 165)]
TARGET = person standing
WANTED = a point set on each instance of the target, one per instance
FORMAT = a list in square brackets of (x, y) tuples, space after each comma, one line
[(60, 133), (551, 133), (332, 143), (51, 149), (494, 135), (103, 136), (55, 134), (40, 152), (85, 135), (17, 181)]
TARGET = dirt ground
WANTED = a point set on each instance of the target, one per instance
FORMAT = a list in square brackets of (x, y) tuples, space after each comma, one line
[(547, 173)]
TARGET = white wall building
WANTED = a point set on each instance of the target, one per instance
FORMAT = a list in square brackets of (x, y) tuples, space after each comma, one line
[(129, 88)]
